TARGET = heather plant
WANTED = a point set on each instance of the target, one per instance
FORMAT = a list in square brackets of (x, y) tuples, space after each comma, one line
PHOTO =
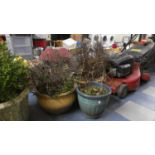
[(52, 77)]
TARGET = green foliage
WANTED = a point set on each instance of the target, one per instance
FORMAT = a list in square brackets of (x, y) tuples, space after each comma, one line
[(13, 75), (66, 87)]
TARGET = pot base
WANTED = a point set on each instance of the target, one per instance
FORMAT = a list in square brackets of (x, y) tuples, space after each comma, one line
[(93, 117)]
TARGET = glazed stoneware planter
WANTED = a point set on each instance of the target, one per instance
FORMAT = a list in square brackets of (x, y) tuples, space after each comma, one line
[(57, 105), (16, 109), (94, 106)]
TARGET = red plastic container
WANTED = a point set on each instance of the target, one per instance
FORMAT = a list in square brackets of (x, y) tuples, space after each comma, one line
[(40, 43)]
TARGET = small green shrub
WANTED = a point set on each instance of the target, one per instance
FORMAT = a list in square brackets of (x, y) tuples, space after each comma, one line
[(13, 75)]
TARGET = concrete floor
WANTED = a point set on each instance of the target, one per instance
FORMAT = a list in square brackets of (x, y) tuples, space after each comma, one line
[(137, 106)]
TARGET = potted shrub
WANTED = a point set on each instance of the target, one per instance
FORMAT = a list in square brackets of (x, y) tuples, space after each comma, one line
[(93, 95), (91, 63), (53, 83), (13, 86)]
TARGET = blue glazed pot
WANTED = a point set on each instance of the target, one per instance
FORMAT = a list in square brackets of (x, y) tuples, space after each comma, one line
[(94, 105)]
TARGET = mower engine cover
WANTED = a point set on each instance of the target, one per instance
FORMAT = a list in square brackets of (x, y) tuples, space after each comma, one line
[(121, 71), (121, 65), (121, 59)]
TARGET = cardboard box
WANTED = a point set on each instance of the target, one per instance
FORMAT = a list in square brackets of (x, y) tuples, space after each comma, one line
[(77, 37)]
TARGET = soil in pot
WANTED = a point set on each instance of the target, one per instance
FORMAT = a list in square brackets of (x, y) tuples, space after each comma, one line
[(93, 90)]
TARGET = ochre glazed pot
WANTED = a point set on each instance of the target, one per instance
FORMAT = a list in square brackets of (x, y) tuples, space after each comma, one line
[(16, 109), (57, 105)]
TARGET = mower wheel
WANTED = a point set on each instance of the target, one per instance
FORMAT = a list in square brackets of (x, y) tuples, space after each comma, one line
[(145, 77), (122, 91)]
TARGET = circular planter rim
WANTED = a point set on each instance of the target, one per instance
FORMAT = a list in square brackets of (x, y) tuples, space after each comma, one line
[(61, 95), (98, 80), (95, 97)]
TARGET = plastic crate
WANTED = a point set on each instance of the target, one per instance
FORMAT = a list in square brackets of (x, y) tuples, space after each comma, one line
[(20, 45), (20, 41), (23, 51), (40, 43)]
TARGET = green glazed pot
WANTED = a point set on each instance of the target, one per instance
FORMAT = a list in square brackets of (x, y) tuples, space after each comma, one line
[(94, 106)]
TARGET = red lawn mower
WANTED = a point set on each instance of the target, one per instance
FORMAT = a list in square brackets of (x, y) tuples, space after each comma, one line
[(128, 68)]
